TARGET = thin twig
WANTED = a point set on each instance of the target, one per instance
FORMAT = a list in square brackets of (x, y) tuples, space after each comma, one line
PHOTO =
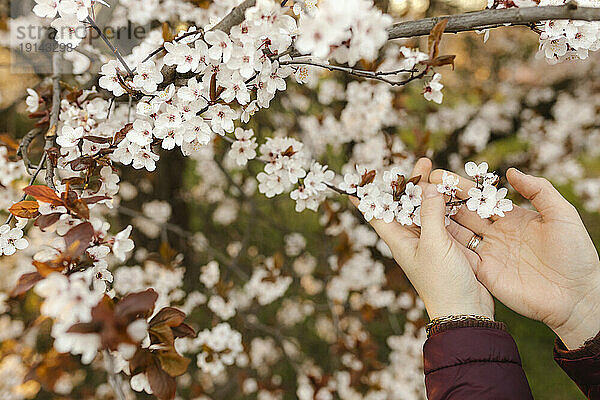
[(45, 160), (110, 45), (351, 71), (54, 114), (338, 190), (24, 146), (114, 379)]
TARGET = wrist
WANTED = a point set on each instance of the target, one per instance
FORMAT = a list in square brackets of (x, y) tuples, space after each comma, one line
[(584, 321), (445, 310), (462, 321)]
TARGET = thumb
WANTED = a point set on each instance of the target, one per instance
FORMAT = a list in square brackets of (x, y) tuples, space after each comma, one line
[(540, 192), (433, 211)]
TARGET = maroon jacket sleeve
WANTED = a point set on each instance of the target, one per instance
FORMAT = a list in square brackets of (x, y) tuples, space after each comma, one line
[(582, 365), (471, 363)]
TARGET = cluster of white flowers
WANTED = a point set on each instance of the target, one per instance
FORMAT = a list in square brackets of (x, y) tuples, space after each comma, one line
[(244, 148), (355, 31), (11, 240), (392, 198), (9, 170), (384, 197), (69, 26), (358, 274), (70, 300), (220, 346), (485, 198), (267, 284), (314, 187), (433, 90), (285, 165), (562, 40), (166, 282), (189, 115)]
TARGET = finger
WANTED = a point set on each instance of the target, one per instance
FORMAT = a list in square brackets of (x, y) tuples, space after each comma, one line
[(423, 168), (460, 233), (472, 221), (540, 192), (433, 211), (464, 184), (390, 231)]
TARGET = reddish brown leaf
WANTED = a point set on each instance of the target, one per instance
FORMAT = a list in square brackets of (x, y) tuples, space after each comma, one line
[(167, 253), (26, 282), (94, 199), (166, 32), (213, 87), (79, 208), (183, 330), (84, 327), (140, 361), (78, 238), (45, 269), (435, 36), (136, 304), (44, 194), (442, 60), (220, 91), (25, 209), (44, 221), (9, 142), (367, 178), (415, 179), (53, 154), (97, 139), (289, 152), (162, 384), (94, 185), (161, 334), (120, 135), (73, 95), (172, 362), (82, 163), (73, 181), (38, 114), (169, 316)]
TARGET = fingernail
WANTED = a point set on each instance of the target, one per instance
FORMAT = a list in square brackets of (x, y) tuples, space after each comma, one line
[(518, 172), (430, 191)]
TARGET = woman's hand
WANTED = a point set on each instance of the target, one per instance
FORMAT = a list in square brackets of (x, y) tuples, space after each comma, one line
[(542, 263), (440, 268)]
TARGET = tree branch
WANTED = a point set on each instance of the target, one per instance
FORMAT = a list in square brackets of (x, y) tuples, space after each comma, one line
[(113, 379), (54, 114), (24, 146), (110, 45), (235, 17), (494, 18), (378, 75)]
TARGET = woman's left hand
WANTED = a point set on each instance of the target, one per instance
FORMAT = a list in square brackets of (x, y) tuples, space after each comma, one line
[(440, 268)]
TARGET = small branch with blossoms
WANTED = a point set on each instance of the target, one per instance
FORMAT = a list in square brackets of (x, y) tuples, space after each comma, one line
[(494, 18), (391, 197), (376, 75)]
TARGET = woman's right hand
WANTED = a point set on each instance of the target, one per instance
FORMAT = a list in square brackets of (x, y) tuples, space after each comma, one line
[(542, 264), (440, 269)]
